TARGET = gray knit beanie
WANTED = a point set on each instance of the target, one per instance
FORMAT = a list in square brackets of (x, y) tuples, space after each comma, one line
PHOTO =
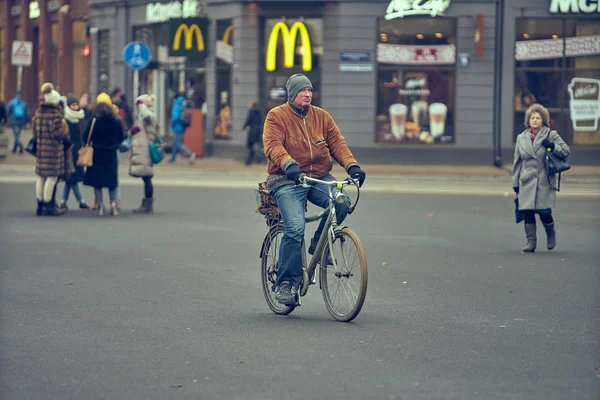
[(295, 84)]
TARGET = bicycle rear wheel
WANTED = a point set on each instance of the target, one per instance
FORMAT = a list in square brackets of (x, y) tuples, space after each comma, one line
[(269, 265), (344, 285)]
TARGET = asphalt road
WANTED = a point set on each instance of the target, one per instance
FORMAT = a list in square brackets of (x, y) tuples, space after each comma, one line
[(169, 306)]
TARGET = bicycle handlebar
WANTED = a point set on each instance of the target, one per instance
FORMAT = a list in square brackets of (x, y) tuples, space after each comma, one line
[(303, 179)]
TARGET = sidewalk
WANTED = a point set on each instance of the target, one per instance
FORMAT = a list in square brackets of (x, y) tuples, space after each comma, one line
[(226, 165)]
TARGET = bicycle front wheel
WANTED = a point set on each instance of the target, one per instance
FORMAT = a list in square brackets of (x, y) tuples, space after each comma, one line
[(270, 262), (344, 284)]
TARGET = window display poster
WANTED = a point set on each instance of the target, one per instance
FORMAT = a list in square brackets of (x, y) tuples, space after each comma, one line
[(414, 108), (584, 107)]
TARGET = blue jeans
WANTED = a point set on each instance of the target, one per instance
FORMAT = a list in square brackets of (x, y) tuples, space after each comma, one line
[(76, 192), (112, 195), (179, 146), (17, 132), (118, 188), (291, 201)]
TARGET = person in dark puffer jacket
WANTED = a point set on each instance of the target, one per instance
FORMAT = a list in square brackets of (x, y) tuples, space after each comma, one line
[(74, 115)]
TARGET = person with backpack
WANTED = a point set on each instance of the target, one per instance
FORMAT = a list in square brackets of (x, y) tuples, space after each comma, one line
[(18, 113), (179, 119)]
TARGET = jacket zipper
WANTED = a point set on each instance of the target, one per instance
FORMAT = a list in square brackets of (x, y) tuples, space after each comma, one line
[(309, 146)]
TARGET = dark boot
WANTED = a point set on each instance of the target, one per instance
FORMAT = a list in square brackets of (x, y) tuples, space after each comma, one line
[(58, 209), (50, 209), (146, 207), (530, 233), (550, 235), (40, 208)]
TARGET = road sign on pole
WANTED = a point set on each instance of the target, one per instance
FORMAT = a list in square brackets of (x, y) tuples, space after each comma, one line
[(136, 55), (21, 53)]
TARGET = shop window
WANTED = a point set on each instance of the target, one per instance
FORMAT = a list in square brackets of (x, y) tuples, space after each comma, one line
[(287, 51), (557, 64), (416, 80), (224, 55)]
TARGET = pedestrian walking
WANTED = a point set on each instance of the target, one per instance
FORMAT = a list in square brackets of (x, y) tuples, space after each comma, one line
[(144, 131), (18, 112), (254, 124), (106, 135), (535, 189), (52, 136), (178, 130), (74, 115)]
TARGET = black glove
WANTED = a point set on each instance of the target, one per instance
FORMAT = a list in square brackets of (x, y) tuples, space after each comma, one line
[(293, 173), (356, 172), (548, 144), (516, 189)]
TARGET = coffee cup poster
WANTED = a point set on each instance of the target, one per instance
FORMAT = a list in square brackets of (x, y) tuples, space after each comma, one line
[(584, 107), (415, 94)]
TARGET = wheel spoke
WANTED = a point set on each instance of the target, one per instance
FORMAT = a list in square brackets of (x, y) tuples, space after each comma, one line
[(344, 286)]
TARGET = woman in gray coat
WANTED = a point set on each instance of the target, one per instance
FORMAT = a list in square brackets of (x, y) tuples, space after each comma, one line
[(144, 131), (536, 190)]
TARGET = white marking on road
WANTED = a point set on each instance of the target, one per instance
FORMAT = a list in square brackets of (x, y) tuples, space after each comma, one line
[(431, 188)]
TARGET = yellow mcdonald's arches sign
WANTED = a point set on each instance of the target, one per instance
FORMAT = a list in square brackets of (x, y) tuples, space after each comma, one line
[(227, 34), (189, 32), (289, 45)]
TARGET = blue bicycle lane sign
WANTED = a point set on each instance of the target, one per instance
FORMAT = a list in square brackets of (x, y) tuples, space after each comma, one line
[(136, 55)]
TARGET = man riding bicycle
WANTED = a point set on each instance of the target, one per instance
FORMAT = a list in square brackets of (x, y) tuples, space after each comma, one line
[(302, 139)]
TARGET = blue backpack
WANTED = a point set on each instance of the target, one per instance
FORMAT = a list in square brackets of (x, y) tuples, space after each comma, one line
[(18, 110)]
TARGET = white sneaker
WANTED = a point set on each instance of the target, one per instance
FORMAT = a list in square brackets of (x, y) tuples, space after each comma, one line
[(192, 159)]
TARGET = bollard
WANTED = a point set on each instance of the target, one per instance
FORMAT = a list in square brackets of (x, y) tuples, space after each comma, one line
[(3, 144)]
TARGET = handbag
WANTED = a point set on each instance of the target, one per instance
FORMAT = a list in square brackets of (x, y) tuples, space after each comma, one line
[(31, 146), (555, 165), (86, 153), (156, 151), (519, 215)]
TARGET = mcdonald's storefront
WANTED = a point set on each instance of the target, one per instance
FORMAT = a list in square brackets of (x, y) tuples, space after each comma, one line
[(406, 81)]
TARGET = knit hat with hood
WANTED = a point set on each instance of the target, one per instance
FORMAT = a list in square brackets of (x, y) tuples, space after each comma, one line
[(295, 84), (50, 95), (144, 104), (104, 98), (71, 99)]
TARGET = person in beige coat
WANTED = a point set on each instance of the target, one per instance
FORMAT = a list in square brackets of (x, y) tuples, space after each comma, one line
[(535, 189), (144, 131)]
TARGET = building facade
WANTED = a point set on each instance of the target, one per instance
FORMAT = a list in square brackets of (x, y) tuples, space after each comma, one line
[(59, 51), (431, 81)]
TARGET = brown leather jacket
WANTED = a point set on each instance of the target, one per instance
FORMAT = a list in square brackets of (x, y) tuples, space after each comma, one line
[(310, 141)]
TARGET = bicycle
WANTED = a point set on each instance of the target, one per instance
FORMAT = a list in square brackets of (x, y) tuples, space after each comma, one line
[(337, 250)]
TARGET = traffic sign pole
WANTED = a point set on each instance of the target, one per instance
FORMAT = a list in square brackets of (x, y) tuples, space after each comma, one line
[(19, 77), (136, 56), (136, 83)]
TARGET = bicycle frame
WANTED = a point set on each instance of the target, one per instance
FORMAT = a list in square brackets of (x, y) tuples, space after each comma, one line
[(327, 236)]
